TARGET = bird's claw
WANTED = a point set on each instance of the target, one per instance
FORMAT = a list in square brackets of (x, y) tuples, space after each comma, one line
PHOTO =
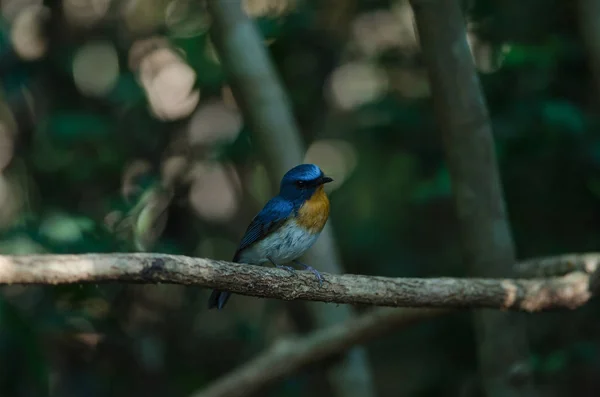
[(288, 268), (313, 270)]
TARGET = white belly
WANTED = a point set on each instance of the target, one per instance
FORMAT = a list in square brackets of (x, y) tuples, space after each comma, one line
[(289, 242)]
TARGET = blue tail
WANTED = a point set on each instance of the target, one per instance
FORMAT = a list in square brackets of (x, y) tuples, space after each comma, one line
[(218, 299)]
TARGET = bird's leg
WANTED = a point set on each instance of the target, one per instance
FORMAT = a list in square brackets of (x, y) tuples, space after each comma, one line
[(312, 269), (288, 268)]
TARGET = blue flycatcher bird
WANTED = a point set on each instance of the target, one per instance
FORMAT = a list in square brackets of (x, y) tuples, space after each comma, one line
[(287, 226)]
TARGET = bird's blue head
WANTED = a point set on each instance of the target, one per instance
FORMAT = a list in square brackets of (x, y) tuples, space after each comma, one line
[(300, 183)]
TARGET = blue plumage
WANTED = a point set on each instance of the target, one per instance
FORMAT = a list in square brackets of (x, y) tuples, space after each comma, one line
[(274, 235), (270, 218)]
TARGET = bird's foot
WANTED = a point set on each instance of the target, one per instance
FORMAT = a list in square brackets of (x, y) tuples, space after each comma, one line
[(313, 270), (288, 268)]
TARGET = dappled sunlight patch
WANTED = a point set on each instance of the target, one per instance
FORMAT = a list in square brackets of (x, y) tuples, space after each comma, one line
[(380, 30), (12, 8), (63, 228), (27, 32), (85, 12), (140, 16), (168, 81), (356, 83), (268, 8), (486, 58), (336, 157), (186, 18), (170, 92), (215, 191), (214, 122), (96, 68), (91, 339), (20, 245)]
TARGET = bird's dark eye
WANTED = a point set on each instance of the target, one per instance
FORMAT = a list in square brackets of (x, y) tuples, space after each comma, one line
[(300, 183)]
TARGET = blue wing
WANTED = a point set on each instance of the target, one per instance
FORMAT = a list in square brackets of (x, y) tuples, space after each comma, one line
[(270, 218)]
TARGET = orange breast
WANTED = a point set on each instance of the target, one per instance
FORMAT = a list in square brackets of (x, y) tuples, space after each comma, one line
[(314, 212)]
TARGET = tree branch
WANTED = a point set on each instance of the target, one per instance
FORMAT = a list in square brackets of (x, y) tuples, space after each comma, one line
[(559, 265), (289, 355), (529, 295)]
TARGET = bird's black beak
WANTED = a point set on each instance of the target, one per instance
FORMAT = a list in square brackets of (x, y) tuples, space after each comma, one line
[(325, 179)]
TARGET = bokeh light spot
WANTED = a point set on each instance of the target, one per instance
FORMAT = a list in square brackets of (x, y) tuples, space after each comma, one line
[(85, 12), (214, 193), (96, 68), (186, 18), (27, 36), (268, 8), (214, 122), (61, 228), (380, 30), (336, 157), (166, 78), (357, 83), (12, 8)]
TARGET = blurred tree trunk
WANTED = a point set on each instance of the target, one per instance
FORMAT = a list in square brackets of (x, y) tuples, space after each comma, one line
[(463, 120), (267, 110)]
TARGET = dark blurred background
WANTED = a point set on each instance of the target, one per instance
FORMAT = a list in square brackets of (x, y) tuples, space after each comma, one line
[(120, 133)]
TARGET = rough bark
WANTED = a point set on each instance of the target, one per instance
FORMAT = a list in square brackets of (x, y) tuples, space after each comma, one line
[(463, 120), (267, 111), (291, 355), (529, 295)]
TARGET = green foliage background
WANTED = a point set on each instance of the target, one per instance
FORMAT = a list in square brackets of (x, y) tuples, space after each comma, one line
[(393, 216)]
